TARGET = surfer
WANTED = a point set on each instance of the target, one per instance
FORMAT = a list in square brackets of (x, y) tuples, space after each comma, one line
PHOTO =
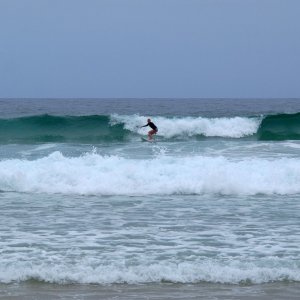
[(153, 129)]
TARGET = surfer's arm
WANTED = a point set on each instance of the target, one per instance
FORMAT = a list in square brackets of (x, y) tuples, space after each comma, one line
[(145, 125)]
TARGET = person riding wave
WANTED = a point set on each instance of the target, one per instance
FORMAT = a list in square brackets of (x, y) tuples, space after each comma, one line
[(153, 130)]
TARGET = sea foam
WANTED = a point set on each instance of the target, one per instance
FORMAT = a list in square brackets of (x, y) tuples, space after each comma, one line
[(184, 272), (235, 127), (114, 175)]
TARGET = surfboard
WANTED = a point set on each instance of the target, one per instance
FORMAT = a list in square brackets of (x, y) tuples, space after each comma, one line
[(146, 140)]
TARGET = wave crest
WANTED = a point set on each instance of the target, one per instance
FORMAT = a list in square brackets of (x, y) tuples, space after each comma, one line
[(114, 175), (235, 127), (185, 272)]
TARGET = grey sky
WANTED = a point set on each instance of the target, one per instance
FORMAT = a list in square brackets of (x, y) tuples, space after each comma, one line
[(149, 48)]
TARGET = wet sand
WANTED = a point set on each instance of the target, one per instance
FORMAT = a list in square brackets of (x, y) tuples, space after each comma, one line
[(44, 291)]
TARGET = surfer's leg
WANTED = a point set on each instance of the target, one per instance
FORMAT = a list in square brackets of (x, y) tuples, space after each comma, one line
[(150, 133)]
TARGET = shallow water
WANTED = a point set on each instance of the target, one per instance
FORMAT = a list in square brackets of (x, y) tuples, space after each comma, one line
[(33, 290)]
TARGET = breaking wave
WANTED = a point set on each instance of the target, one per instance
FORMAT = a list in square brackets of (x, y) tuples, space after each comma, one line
[(184, 272), (93, 129), (114, 175)]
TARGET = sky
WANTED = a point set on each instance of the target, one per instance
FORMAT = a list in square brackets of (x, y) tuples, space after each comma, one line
[(149, 49)]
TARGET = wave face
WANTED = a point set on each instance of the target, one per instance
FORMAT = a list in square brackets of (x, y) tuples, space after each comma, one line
[(93, 174), (47, 128), (280, 127)]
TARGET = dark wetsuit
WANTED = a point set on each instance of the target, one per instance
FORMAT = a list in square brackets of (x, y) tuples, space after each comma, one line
[(150, 124)]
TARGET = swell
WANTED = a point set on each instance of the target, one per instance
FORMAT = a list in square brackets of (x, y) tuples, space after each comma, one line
[(118, 128), (280, 127), (47, 128)]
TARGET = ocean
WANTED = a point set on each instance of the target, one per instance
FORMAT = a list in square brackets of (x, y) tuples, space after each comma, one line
[(210, 210)]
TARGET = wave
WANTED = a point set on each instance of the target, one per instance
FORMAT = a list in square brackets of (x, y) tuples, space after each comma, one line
[(90, 272), (93, 174), (93, 129), (235, 127), (280, 127), (47, 128), (97, 128)]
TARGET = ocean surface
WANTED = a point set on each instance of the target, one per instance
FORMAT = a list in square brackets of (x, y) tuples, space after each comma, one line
[(210, 210)]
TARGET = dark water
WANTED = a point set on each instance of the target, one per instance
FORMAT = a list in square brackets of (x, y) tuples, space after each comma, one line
[(163, 107)]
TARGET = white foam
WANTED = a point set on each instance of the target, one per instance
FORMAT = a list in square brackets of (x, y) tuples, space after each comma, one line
[(184, 272), (114, 175), (294, 144), (235, 127)]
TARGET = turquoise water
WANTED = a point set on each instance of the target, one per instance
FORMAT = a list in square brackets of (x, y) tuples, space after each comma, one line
[(83, 200)]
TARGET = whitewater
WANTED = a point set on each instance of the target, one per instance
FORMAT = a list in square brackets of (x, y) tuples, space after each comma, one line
[(94, 174), (235, 127), (214, 203)]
